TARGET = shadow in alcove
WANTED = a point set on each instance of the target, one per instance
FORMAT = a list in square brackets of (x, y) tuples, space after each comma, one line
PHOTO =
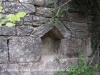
[(51, 44)]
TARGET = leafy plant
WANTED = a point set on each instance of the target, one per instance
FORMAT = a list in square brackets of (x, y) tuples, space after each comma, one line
[(11, 18), (58, 72), (57, 59), (82, 68)]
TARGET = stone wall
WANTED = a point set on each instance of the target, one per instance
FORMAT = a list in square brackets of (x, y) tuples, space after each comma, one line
[(31, 47)]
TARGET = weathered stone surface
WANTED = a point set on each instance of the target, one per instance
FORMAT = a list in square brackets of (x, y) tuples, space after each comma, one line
[(39, 2), (28, 20), (26, 1), (49, 3), (3, 50), (78, 30), (42, 30), (77, 17), (48, 67), (25, 68), (80, 34), (38, 20), (88, 51), (7, 31), (42, 73), (44, 11), (63, 30), (24, 30), (76, 26), (25, 49), (14, 7), (9, 69), (71, 46)]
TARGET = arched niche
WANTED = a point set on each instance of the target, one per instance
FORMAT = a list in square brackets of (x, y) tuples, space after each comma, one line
[(51, 44)]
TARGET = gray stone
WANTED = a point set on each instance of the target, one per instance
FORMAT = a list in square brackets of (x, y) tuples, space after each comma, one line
[(28, 20), (88, 51), (76, 26), (77, 17), (26, 1), (36, 24), (63, 30), (42, 30), (78, 30), (71, 46), (24, 30), (39, 2), (42, 73), (25, 68), (9, 69), (38, 20), (25, 49), (8, 30), (44, 11), (14, 7), (49, 3), (3, 50)]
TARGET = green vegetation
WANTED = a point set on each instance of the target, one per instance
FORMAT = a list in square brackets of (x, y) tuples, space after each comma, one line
[(81, 68), (11, 18)]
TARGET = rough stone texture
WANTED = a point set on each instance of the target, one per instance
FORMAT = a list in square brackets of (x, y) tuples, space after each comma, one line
[(76, 17), (25, 69), (42, 30), (9, 69), (78, 29), (26, 1), (44, 11), (39, 2), (11, 7), (33, 44), (24, 30), (63, 30), (7, 31), (3, 50), (49, 3), (28, 20), (71, 46), (25, 49), (88, 51), (38, 20)]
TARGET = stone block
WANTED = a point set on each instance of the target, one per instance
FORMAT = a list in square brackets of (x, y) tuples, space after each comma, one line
[(38, 20), (44, 11), (14, 7), (8, 30), (27, 1), (88, 48), (25, 49), (65, 32), (42, 30), (28, 20), (25, 68), (76, 26), (3, 50), (71, 46), (42, 73), (77, 17), (9, 69), (49, 3), (79, 34), (24, 30), (78, 30), (39, 2)]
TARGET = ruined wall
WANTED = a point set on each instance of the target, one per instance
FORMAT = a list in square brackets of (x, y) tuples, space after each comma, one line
[(31, 47)]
